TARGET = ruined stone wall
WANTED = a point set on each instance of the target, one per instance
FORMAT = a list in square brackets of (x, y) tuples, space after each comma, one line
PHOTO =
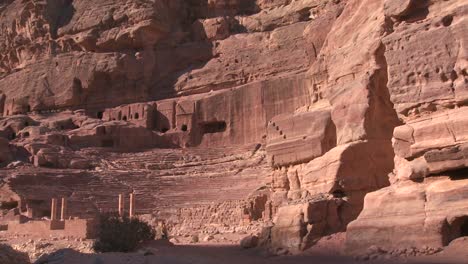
[(77, 228)]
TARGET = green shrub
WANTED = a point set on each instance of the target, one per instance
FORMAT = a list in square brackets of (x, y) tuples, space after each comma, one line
[(121, 234)]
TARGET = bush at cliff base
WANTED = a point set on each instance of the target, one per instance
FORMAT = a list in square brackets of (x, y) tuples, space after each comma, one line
[(121, 234)]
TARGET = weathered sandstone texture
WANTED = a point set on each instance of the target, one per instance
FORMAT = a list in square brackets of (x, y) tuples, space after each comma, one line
[(426, 203), (304, 117)]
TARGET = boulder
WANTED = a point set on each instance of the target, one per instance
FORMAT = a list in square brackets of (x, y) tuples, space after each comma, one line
[(249, 242)]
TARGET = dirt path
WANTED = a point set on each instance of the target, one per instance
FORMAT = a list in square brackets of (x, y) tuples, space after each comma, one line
[(200, 254)]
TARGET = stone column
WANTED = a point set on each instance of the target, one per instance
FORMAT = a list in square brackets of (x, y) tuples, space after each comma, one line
[(132, 205), (63, 213), (53, 209), (121, 205)]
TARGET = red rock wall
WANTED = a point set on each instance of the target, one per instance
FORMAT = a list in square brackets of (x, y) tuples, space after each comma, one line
[(339, 115)]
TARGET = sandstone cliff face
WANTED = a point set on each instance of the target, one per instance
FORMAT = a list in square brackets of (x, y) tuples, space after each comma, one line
[(426, 202), (304, 115)]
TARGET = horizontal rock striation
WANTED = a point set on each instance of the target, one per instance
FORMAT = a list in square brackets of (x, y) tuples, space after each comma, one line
[(425, 204)]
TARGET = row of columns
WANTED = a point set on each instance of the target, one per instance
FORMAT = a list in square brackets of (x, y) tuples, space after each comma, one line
[(53, 209), (63, 212), (122, 205)]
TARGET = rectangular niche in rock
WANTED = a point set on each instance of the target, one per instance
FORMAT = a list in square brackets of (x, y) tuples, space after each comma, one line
[(213, 127)]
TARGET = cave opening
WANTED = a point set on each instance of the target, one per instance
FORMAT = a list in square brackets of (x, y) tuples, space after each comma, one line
[(457, 228), (26, 134), (44, 213), (184, 127), (9, 205), (124, 118), (214, 127), (100, 114), (137, 116), (464, 228), (459, 174), (338, 193), (447, 20), (28, 108), (108, 143)]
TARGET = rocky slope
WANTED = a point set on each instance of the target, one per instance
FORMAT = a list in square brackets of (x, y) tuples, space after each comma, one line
[(309, 117)]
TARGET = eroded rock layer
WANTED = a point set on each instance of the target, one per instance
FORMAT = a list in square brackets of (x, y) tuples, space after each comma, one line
[(306, 117)]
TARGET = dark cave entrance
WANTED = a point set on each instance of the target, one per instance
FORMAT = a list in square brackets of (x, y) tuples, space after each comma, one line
[(214, 127), (456, 229), (107, 143), (338, 193), (464, 228), (8, 205)]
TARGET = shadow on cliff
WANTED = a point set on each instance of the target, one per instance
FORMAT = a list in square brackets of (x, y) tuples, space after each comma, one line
[(174, 66), (178, 60), (59, 14), (456, 175), (10, 256)]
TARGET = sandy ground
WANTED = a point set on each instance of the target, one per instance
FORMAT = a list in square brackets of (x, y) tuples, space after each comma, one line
[(158, 253), (199, 254), (68, 251)]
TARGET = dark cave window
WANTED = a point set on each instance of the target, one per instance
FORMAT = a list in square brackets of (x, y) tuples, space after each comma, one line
[(447, 20), (338, 194), (214, 127), (164, 129), (137, 116), (45, 213), (108, 143), (8, 205), (184, 127), (26, 134), (124, 118), (459, 174), (456, 229), (100, 115), (28, 108), (464, 228)]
